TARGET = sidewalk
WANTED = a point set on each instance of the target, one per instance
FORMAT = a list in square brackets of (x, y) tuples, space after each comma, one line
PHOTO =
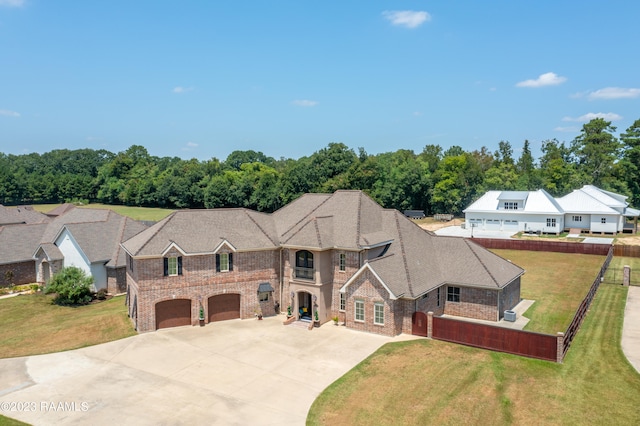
[(631, 328)]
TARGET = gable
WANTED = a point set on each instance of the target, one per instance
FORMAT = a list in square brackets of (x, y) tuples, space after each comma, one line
[(367, 273)]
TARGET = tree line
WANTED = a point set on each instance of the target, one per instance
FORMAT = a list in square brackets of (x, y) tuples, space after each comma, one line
[(434, 180)]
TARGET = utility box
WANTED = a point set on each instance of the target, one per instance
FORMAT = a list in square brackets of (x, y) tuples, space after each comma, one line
[(510, 315)]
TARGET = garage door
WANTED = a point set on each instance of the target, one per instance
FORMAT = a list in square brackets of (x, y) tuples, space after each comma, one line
[(224, 307), (510, 225), (493, 224), (173, 313)]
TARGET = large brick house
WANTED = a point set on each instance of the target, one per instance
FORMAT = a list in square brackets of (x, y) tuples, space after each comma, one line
[(328, 255)]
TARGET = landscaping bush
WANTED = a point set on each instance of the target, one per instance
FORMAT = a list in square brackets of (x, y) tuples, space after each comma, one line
[(101, 294), (71, 286)]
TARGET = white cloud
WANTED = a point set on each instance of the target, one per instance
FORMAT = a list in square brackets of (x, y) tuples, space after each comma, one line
[(180, 89), (8, 113), (547, 79), (609, 116), (614, 93), (406, 18), (192, 145), (12, 3), (304, 103)]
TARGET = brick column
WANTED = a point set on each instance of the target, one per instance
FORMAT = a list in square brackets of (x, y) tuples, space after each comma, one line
[(559, 347), (429, 324), (626, 276)]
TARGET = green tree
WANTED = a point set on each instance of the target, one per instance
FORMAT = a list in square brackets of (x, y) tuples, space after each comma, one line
[(558, 172), (456, 182), (596, 150), (630, 163), (71, 286)]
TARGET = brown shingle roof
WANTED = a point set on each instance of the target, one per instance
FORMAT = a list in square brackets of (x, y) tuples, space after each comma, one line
[(19, 242), (20, 215), (201, 231)]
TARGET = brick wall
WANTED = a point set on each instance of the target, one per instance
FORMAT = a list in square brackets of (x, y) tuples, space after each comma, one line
[(116, 280), (366, 288), (509, 296), (17, 273), (199, 281), (474, 303)]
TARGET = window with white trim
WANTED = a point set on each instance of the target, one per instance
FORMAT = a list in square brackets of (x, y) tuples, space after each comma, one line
[(343, 262), (511, 205), (576, 218), (359, 310), (224, 262), (171, 266), (378, 313), (551, 222), (343, 301), (603, 220), (453, 294)]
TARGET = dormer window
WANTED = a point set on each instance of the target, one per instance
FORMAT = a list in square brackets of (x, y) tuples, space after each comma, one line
[(511, 205)]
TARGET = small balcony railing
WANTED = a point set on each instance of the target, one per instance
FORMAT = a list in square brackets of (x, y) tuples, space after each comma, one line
[(305, 273)]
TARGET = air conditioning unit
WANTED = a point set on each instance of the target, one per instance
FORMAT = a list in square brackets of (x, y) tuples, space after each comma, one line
[(510, 315)]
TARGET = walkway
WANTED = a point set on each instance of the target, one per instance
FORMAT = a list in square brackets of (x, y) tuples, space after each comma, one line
[(631, 328)]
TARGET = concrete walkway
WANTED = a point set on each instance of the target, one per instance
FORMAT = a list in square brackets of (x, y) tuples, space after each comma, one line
[(631, 328), (227, 373)]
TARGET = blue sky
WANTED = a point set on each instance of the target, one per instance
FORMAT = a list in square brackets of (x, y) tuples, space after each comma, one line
[(200, 79)]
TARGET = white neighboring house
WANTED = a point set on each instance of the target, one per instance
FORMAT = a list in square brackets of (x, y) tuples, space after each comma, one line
[(590, 209), (530, 211)]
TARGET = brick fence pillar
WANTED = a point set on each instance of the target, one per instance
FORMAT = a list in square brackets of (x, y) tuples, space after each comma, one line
[(626, 276), (560, 347), (429, 324)]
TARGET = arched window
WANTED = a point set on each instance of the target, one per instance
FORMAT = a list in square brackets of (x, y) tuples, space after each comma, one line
[(304, 265)]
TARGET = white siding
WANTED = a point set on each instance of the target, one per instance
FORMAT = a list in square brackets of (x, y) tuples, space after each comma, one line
[(74, 256), (611, 225), (571, 223)]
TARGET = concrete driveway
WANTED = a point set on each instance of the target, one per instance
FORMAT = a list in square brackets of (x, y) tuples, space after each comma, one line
[(232, 372)]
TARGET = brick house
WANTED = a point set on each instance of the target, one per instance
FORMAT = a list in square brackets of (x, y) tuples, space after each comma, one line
[(322, 255), (86, 238)]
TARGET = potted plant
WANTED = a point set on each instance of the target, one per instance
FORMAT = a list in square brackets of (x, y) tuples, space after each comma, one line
[(258, 312), (289, 311), (201, 316), (316, 319), (335, 320)]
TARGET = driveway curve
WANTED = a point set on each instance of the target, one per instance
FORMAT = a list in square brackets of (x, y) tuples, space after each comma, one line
[(226, 373)]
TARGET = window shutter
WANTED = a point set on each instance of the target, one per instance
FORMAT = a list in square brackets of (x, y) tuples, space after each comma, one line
[(231, 261), (179, 265), (217, 263), (166, 266)]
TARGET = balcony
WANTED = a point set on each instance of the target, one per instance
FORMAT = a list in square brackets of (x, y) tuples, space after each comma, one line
[(304, 273)]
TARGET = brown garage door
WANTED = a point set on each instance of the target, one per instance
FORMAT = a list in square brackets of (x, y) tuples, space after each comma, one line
[(173, 313), (224, 307)]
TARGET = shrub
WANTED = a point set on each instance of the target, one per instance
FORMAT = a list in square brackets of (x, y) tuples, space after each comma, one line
[(101, 294), (71, 286)]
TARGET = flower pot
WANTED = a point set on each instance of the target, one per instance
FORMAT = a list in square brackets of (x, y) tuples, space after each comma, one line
[(201, 322)]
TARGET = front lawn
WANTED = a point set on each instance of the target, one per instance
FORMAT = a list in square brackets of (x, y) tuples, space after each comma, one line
[(557, 282), (31, 325), (432, 382)]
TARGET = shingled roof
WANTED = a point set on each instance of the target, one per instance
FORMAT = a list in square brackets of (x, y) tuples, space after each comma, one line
[(20, 215), (416, 261)]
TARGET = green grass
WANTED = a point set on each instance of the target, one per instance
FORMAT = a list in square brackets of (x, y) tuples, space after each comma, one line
[(557, 282), (32, 325), (137, 213), (6, 421), (433, 382)]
